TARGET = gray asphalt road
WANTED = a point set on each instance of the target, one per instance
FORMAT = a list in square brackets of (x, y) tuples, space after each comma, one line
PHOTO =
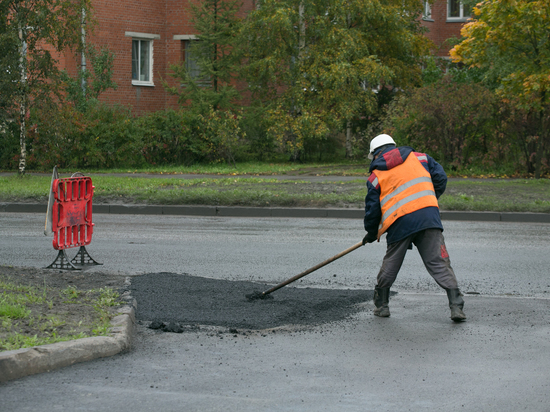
[(490, 258), (417, 360)]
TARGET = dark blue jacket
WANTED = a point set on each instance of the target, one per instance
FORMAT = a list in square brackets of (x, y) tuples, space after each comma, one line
[(427, 218)]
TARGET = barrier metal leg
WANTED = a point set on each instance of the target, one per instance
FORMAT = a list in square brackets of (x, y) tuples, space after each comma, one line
[(62, 262), (83, 258)]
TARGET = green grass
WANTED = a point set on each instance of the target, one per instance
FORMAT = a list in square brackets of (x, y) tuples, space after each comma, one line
[(244, 168), (499, 195), (12, 310), (31, 316), (502, 195)]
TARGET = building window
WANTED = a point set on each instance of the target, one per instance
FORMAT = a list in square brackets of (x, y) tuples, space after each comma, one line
[(142, 58), (190, 59), (457, 11), (427, 11)]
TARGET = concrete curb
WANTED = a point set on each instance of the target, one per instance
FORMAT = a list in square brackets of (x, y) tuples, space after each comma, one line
[(19, 363), (236, 211)]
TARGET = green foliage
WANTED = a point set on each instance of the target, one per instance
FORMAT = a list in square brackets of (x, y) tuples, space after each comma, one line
[(71, 293), (29, 32), (96, 78), (9, 144), (9, 73), (207, 86), (109, 136), (206, 79), (63, 136), (12, 311), (107, 297), (219, 131), (257, 142), (451, 121), (432, 72), (511, 40), (317, 62), (31, 317), (164, 138)]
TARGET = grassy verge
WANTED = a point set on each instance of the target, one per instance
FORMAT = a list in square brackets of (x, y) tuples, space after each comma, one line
[(349, 168), (32, 316), (501, 195)]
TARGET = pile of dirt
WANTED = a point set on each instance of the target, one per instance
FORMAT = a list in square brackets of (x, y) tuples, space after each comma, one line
[(175, 302)]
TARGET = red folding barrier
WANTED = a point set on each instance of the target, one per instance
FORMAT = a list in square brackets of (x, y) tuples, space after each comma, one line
[(72, 221), (72, 212)]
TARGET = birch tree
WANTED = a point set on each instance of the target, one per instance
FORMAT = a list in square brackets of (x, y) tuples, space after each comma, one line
[(31, 33)]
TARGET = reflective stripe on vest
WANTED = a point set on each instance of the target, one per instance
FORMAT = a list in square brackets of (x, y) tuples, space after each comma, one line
[(404, 189)]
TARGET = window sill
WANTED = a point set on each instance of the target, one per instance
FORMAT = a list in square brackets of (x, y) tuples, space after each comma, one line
[(457, 19), (427, 19), (139, 83)]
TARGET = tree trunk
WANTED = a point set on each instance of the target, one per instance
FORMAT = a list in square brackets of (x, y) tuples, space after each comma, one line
[(23, 101), (22, 138), (302, 41), (349, 145), (540, 144)]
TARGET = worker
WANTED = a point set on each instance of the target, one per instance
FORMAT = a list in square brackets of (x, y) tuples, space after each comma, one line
[(403, 189)]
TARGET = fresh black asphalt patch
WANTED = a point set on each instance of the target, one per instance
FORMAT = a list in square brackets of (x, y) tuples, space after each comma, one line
[(176, 302)]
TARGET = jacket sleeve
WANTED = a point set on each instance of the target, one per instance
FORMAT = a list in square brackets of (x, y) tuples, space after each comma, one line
[(439, 177), (373, 212)]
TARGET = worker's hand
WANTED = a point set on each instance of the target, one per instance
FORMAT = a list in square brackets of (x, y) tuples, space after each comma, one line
[(369, 238)]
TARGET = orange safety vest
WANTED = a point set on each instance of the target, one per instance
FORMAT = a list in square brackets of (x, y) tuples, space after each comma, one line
[(404, 189)]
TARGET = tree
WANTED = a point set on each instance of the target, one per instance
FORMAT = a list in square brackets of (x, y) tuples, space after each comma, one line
[(8, 68), (212, 61), (320, 63), (511, 40), (91, 81), (453, 121), (30, 32)]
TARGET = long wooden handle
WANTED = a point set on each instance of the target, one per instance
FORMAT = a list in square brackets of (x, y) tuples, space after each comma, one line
[(313, 269)]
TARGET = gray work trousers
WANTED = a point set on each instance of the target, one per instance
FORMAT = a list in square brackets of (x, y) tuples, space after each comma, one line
[(432, 249)]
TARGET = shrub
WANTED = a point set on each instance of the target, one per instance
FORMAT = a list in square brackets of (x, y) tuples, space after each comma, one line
[(454, 122), (257, 143), (103, 136), (166, 138), (110, 137), (9, 145)]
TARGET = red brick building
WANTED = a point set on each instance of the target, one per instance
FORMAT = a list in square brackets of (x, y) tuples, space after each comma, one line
[(443, 19), (148, 36)]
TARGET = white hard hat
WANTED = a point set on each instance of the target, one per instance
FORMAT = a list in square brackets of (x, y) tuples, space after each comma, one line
[(379, 141)]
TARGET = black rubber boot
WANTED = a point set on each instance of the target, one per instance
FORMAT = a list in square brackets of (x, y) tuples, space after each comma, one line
[(456, 303), (381, 300)]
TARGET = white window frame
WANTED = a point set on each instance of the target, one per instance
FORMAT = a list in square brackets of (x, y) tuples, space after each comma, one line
[(461, 16), (149, 38), (427, 11)]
